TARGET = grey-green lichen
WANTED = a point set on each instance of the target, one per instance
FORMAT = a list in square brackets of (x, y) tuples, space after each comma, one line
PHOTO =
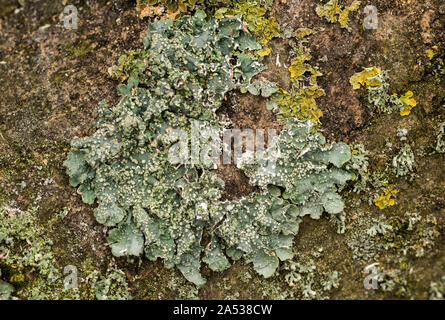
[(308, 283), (6, 290), (359, 164), (437, 289), (379, 99), (21, 229), (175, 212), (31, 270), (411, 234), (307, 168), (392, 280), (110, 286), (403, 163), (440, 139)]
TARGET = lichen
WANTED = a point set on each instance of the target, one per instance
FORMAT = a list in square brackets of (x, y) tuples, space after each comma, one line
[(411, 234), (385, 199), (300, 101), (254, 14), (440, 139), (31, 267), (379, 99), (300, 104), (6, 290), (437, 289), (431, 53), (403, 163), (332, 12), (392, 280), (306, 282), (35, 254), (359, 165), (369, 77), (407, 102), (175, 212), (182, 5), (110, 286)]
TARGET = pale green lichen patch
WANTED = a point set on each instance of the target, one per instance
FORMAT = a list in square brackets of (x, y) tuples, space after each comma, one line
[(437, 289), (165, 210), (403, 163), (440, 139), (411, 234), (6, 290), (308, 283), (32, 270), (21, 229), (379, 99), (110, 286)]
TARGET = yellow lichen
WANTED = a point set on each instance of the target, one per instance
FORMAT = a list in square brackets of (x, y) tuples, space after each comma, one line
[(367, 78), (302, 33), (298, 66), (408, 103), (17, 278), (264, 29), (384, 200), (333, 13), (300, 104), (431, 53), (344, 15)]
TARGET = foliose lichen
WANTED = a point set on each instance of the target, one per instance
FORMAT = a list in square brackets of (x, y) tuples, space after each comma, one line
[(379, 99), (254, 13), (440, 139), (411, 234), (403, 163), (385, 199), (437, 289), (175, 212), (32, 271), (332, 12), (300, 101)]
